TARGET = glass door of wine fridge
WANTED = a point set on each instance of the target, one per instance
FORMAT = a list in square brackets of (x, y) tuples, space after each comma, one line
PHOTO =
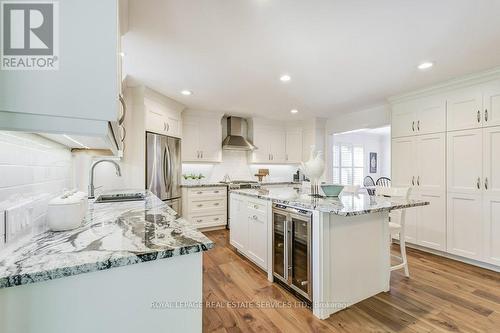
[(279, 245), (301, 255)]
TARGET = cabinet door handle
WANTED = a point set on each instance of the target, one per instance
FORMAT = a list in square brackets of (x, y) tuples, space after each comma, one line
[(199, 192), (200, 205), (168, 127), (199, 220), (418, 125), (486, 183), (413, 126), (478, 183), (216, 191), (486, 115), (478, 116), (216, 204), (216, 219), (418, 180), (164, 126), (255, 217), (413, 180)]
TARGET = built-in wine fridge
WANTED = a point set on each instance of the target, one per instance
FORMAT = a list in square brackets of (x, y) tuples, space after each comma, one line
[(292, 239)]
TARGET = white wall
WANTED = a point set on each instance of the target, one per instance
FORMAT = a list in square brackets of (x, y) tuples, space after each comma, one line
[(31, 165), (234, 163)]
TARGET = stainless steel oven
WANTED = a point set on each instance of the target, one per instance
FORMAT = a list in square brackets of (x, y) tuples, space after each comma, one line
[(292, 240)]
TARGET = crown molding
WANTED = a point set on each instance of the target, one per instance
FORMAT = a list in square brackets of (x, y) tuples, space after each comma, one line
[(456, 83)]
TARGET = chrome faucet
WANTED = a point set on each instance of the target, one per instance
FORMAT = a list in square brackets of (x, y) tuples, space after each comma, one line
[(91, 175)]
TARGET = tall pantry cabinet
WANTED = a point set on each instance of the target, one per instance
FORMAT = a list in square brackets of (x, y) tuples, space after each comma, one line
[(453, 162)]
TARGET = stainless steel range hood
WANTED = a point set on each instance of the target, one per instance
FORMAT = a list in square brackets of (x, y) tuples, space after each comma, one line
[(235, 139)]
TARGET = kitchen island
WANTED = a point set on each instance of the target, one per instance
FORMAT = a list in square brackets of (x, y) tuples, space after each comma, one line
[(131, 266), (349, 248)]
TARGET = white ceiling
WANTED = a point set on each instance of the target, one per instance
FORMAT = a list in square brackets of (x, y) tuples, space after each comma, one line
[(342, 55)]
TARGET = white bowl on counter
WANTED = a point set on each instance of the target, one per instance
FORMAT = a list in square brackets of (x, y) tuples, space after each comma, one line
[(67, 211)]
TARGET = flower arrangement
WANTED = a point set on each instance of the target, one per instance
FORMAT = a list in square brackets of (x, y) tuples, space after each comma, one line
[(192, 178)]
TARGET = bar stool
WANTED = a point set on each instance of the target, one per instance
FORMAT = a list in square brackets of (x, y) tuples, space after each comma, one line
[(397, 222)]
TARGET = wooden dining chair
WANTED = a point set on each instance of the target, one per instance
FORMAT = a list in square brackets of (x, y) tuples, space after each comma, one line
[(383, 181), (397, 223)]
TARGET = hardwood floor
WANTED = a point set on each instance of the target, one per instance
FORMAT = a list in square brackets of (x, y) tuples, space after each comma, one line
[(442, 295)]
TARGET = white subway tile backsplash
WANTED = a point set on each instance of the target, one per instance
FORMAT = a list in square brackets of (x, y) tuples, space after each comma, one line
[(32, 168)]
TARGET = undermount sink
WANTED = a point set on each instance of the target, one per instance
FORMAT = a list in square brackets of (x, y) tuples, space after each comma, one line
[(118, 197)]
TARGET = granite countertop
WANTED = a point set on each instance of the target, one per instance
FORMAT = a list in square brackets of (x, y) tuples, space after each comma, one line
[(204, 185), (113, 235), (344, 205)]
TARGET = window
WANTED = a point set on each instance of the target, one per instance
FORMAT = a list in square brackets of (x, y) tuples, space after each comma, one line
[(348, 164)]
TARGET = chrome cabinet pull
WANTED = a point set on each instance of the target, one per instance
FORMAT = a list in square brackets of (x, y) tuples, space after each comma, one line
[(216, 191), (216, 219), (486, 183), (486, 115), (200, 205), (418, 180), (216, 204), (168, 127), (164, 126), (255, 217), (413, 126), (413, 180), (478, 116), (418, 125), (478, 183), (199, 220), (199, 192)]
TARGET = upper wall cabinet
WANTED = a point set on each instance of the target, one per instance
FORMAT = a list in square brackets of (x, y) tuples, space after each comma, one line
[(84, 86), (474, 107), (422, 116), (276, 143), (202, 138)]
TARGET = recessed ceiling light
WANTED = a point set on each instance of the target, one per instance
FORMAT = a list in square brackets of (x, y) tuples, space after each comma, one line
[(187, 92), (294, 111), (425, 65), (285, 78)]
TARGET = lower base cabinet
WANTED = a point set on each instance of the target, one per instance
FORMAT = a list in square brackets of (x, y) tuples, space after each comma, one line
[(249, 222), (205, 207)]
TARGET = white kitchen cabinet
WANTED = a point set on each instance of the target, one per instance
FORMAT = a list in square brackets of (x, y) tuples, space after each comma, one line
[(465, 225), (293, 145), (465, 155), (276, 144), (162, 120), (491, 217), (257, 231), (491, 160), (205, 207), (430, 115), (202, 139), (404, 166), (419, 163), (249, 222), (430, 163), (491, 103), (423, 116), (431, 221), (403, 120), (464, 109), (85, 85), (238, 217)]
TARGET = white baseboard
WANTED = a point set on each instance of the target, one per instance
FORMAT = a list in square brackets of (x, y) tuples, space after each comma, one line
[(453, 257)]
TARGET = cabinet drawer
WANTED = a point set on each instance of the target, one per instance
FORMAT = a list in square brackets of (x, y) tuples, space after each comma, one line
[(209, 219), (206, 193), (256, 207), (206, 205)]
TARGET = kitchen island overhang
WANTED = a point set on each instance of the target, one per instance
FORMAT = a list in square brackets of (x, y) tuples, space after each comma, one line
[(350, 244)]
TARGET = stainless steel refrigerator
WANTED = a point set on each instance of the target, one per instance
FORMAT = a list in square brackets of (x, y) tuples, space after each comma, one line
[(163, 168)]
